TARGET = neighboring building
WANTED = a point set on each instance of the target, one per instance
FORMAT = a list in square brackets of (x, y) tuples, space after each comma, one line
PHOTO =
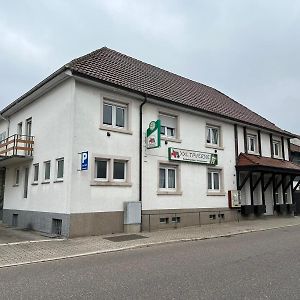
[(101, 105), (295, 157)]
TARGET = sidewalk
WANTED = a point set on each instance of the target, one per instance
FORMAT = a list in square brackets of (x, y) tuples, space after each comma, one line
[(14, 254)]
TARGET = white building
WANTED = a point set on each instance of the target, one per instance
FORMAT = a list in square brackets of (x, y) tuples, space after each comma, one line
[(101, 104)]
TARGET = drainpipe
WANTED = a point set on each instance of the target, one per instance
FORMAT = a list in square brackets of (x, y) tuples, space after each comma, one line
[(141, 149), (8, 123)]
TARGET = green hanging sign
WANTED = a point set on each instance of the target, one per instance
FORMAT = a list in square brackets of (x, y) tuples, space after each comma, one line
[(153, 135)]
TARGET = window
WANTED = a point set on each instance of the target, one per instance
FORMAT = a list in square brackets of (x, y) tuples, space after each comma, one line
[(19, 129), (111, 170), (168, 125), (277, 149), (17, 176), (47, 165), (35, 173), (114, 115), (101, 170), (2, 137), (60, 168), (213, 135), (167, 178), (119, 170), (252, 143), (214, 180)]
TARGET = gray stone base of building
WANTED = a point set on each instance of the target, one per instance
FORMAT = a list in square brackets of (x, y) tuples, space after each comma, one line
[(46, 222), (176, 218)]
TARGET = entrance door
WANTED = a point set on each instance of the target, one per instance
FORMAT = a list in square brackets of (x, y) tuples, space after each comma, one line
[(269, 201)]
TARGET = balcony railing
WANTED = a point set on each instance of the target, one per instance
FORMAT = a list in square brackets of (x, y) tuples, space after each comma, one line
[(16, 145)]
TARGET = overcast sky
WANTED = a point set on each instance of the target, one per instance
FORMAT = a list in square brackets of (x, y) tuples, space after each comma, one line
[(247, 49)]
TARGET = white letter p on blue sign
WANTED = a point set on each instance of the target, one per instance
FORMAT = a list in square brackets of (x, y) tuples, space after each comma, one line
[(84, 160)]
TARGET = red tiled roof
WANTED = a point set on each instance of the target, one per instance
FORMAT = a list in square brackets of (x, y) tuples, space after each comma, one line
[(124, 71), (249, 160)]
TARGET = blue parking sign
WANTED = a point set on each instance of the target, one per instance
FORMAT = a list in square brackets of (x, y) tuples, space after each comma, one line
[(84, 160)]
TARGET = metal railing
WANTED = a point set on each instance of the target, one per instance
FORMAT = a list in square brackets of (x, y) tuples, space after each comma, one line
[(16, 145)]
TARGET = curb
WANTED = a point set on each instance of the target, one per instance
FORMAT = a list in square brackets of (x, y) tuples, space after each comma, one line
[(145, 245)]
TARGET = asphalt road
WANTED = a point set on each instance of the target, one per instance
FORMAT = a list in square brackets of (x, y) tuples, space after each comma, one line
[(262, 265)]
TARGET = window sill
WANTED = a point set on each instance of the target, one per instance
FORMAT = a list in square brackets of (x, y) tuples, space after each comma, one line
[(178, 193), (35, 183), (45, 182), (214, 147), (170, 139), (110, 183), (253, 153), (114, 129), (15, 185), (216, 194), (58, 180)]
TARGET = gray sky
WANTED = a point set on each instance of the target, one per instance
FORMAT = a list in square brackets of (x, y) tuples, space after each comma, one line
[(247, 49)]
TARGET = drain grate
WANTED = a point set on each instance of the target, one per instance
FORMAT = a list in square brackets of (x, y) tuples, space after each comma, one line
[(124, 238)]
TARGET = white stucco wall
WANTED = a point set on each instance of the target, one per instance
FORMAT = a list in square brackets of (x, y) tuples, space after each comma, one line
[(52, 128)]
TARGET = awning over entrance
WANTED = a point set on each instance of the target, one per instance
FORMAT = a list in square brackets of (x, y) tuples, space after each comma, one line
[(264, 172), (268, 164)]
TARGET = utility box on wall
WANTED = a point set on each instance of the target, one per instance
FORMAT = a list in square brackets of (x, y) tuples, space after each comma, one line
[(132, 216), (234, 199)]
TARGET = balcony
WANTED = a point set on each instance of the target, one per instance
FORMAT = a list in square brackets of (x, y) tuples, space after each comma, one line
[(16, 149)]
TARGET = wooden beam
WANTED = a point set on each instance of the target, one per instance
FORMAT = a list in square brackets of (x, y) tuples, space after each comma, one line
[(262, 188), (282, 147), (251, 189), (268, 182), (289, 149), (296, 186), (245, 140), (289, 183), (244, 181), (280, 182), (259, 142), (271, 145), (257, 182)]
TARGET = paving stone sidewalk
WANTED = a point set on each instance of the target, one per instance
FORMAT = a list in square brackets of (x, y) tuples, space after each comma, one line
[(14, 254)]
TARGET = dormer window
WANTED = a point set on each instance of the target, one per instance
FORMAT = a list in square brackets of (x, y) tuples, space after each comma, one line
[(277, 149), (252, 144)]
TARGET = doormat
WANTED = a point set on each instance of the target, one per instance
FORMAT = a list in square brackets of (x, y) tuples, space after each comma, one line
[(124, 238)]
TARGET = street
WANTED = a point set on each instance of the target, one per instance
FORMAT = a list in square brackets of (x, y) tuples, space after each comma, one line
[(262, 265)]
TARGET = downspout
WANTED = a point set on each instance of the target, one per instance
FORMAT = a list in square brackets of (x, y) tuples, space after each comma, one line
[(141, 149), (8, 123)]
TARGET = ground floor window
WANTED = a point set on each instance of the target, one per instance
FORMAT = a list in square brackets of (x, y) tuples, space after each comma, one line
[(17, 176), (167, 177), (214, 180), (111, 170), (35, 173)]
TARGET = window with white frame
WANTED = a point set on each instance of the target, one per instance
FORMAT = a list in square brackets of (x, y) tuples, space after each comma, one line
[(276, 148), (115, 114), (111, 170), (47, 170), (252, 143), (17, 176), (35, 173), (214, 180), (60, 168), (168, 125), (167, 178), (101, 169), (213, 135)]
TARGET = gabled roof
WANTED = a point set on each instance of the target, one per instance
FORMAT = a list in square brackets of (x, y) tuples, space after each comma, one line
[(260, 162), (113, 67), (117, 69)]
